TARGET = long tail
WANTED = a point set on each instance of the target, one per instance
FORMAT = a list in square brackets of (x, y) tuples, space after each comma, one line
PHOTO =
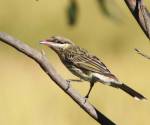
[(132, 92)]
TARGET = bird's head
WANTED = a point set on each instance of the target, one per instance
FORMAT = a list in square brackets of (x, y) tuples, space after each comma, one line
[(57, 43)]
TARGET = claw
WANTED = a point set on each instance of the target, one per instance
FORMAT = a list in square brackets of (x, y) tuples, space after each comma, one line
[(68, 81), (86, 98)]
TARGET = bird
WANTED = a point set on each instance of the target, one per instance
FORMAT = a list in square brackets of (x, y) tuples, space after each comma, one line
[(86, 66)]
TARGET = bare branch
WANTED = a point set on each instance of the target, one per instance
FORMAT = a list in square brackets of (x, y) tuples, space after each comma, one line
[(51, 72), (141, 14), (142, 54)]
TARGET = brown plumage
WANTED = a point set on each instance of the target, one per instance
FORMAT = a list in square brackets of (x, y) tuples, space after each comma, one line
[(86, 66)]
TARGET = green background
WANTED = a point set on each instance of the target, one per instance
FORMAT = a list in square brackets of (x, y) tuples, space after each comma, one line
[(29, 97)]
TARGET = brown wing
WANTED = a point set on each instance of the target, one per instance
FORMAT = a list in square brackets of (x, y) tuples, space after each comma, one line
[(81, 59)]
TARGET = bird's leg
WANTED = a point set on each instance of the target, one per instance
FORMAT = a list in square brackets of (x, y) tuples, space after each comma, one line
[(91, 86), (74, 80)]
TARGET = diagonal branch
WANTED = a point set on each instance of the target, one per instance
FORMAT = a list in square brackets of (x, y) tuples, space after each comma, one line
[(51, 72), (141, 14)]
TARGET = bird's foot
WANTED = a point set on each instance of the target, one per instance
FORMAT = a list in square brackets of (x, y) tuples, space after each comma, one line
[(68, 83), (75, 80), (86, 98)]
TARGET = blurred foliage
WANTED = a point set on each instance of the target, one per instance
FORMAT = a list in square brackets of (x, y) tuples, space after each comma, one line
[(107, 7), (72, 12), (103, 6)]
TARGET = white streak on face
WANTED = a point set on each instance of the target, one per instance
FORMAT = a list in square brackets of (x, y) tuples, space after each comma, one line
[(55, 45), (58, 45)]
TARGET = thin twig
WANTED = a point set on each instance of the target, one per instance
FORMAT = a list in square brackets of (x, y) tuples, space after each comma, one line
[(142, 54), (51, 72), (141, 14)]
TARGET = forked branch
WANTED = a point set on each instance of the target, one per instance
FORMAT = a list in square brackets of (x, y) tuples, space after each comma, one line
[(51, 72)]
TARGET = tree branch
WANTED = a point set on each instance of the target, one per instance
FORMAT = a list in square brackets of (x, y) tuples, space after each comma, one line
[(51, 72), (141, 14)]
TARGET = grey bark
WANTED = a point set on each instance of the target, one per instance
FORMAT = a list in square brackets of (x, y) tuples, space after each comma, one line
[(51, 72)]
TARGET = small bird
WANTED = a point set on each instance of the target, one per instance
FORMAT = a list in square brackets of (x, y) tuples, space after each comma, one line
[(86, 66)]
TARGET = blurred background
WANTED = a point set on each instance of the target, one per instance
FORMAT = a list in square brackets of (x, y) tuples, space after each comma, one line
[(105, 28)]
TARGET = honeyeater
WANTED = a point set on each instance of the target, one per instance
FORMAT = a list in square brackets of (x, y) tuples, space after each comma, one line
[(86, 66)]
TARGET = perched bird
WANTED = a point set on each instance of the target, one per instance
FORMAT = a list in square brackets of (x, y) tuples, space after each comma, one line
[(86, 66)]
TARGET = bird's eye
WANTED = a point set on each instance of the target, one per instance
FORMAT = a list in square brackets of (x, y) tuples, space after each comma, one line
[(58, 41), (48, 40)]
